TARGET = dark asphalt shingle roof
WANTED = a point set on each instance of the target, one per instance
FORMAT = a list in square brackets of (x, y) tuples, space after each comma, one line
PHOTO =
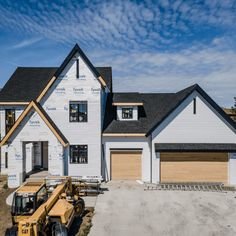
[(126, 97), (223, 147), (106, 73), (156, 107), (26, 83)]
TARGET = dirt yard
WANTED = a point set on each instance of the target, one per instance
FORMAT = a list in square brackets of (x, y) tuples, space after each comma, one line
[(5, 211)]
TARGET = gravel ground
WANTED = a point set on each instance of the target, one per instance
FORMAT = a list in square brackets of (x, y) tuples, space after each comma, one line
[(126, 209)]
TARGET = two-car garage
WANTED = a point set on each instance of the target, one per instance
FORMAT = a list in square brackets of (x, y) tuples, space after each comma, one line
[(194, 162), (194, 167)]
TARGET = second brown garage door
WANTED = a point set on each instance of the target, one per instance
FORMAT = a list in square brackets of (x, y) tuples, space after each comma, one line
[(126, 165), (194, 167)]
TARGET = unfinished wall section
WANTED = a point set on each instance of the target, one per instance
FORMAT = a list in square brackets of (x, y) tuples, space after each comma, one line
[(18, 111), (56, 102), (31, 129)]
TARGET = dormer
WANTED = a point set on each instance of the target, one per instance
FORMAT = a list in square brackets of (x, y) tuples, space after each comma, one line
[(127, 105)]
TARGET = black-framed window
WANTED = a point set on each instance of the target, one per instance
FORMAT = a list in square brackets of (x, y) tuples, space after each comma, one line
[(79, 154), (79, 111), (127, 113), (10, 119)]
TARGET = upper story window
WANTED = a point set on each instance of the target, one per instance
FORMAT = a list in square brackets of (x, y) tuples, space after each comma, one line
[(10, 119), (79, 154), (127, 113), (79, 111)]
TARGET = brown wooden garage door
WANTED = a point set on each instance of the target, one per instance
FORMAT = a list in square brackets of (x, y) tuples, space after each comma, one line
[(194, 167), (126, 165)]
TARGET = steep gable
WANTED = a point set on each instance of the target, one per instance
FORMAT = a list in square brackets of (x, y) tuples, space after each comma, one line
[(207, 125), (45, 118)]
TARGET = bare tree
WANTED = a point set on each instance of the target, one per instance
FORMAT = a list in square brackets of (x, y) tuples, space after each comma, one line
[(233, 109)]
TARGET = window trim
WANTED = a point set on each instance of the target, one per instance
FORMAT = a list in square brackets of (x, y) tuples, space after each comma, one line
[(132, 114), (6, 110), (80, 163), (78, 103)]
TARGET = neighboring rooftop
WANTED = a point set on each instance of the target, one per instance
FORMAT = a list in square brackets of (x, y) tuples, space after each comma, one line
[(26, 83)]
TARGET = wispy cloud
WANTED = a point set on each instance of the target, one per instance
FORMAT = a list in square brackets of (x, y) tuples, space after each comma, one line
[(25, 43), (168, 44)]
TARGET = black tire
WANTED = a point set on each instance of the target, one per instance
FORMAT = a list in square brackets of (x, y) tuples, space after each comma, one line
[(79, 207), (59, 229), (11, 231)]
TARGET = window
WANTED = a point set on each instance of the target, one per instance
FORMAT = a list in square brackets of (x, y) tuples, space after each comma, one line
[(10, 119), (127, 113), (6, 160), (77, 68), (194, 106), (79, 154), (78, 111)]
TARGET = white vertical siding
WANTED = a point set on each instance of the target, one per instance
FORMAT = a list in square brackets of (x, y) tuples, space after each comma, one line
[(127, 143), (182, 126), (232, 168)]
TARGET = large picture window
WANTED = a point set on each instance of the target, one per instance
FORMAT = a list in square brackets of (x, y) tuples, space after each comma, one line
[(127, 113), (78, 111), (79, 154), (10, 119)]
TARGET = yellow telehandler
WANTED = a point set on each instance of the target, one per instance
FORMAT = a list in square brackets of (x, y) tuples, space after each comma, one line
[(39, 211)]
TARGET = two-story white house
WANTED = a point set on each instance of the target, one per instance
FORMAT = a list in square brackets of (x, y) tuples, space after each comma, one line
[(68, 121)]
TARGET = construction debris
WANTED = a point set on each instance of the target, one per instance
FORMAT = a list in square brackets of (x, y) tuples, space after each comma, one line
[(201, 186)]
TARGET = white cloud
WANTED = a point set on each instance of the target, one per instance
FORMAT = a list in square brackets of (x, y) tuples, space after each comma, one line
[(144, 41), (25, 43)]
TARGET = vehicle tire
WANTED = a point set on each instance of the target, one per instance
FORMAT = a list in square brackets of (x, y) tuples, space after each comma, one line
[(11, 231), (59, 229), (79, 207)]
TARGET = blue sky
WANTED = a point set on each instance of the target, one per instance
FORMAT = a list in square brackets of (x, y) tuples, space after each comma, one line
[(152, 46)]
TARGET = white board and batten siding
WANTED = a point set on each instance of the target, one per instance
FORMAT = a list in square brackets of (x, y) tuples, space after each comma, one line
[(32, 129), (56, 103), (127, 143), (182, 126)]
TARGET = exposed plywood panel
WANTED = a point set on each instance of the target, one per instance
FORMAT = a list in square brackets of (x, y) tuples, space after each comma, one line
[(126, 165), (194, 167)]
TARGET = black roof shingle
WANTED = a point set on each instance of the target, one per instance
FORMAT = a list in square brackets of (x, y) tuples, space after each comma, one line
[(156, 107), (26, 83)]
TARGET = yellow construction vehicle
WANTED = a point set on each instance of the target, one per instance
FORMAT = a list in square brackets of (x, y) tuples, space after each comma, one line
[(38, 210)]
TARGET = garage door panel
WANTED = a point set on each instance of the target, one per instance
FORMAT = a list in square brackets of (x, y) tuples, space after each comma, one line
[(126, 165), (194, 167)]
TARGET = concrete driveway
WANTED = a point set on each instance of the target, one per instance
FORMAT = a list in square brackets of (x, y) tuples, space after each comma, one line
[(126, 209)]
